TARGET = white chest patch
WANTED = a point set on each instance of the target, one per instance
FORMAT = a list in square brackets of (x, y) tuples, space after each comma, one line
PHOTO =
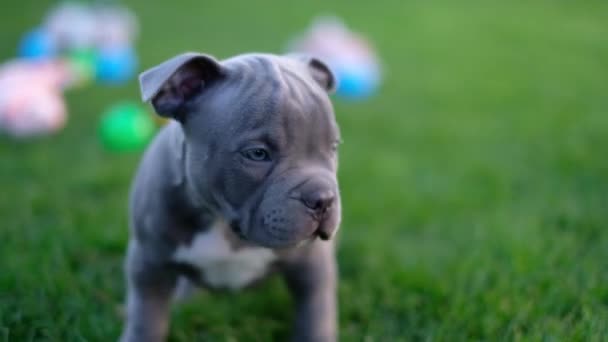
[(220, 265)]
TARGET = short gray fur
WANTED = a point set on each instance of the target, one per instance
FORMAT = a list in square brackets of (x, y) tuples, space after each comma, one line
[(252, 143)]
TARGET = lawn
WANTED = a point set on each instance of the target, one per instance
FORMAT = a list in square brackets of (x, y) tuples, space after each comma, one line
[(474, 184)]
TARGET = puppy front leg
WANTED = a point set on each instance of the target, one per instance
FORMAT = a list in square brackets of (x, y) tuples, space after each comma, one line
[(150, 288), (312, 282)]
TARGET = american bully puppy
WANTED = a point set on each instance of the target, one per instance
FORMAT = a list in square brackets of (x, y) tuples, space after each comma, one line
[(240, 184)]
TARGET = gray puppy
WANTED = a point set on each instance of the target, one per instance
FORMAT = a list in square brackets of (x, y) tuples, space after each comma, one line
[(240, 184)]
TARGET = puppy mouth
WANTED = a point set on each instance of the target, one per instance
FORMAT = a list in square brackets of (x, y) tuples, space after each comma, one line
[(323, 235), (235, 226), (318, 227)]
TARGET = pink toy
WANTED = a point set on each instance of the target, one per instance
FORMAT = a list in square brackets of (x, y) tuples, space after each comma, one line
[(349, 55), (54, 74), (329, 38), (31, 102)]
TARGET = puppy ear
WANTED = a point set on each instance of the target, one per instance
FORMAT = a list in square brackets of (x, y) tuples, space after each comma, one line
[(319, 71), (171, 84), (322, 74)]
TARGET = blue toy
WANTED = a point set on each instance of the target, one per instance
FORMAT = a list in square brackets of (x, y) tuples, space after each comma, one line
[(356, 82), (350, 56), (37, 44), (116, 65)]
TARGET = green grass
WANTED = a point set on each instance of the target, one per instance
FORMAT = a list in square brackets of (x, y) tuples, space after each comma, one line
[(475, 184)]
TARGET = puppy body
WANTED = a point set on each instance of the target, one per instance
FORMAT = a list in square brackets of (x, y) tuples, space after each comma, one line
[(241, 184)]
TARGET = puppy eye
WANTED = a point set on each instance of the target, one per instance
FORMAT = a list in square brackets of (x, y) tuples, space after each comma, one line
[(257, 154)]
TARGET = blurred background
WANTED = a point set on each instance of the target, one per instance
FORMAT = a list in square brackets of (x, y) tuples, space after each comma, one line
[(474, 175)]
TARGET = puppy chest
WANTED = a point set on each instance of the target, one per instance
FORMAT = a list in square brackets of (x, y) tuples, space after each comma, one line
[(220, 264)]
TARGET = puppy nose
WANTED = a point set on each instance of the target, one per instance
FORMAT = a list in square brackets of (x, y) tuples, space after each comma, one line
[(319, 201)]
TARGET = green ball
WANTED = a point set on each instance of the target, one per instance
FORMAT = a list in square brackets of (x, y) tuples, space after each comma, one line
[(82, 63), (126, 127)]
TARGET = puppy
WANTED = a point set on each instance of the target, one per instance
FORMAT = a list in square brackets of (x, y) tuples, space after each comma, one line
[(240, 184)]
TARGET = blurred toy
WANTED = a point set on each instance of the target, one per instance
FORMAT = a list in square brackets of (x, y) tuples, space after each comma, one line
[(98, 40), (126, 127), (349, 55), (116, 65), (37, 44), (30, 97), (83, 65), (115, 26), (32, 111), (25, 73), (77, 43), (355, 81), (73, 25)]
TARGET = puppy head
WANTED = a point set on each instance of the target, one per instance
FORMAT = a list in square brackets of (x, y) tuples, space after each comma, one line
[(261, 140)]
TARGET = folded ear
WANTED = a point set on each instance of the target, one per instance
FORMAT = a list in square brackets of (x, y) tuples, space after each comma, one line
[(319, 71), (171, 84)]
